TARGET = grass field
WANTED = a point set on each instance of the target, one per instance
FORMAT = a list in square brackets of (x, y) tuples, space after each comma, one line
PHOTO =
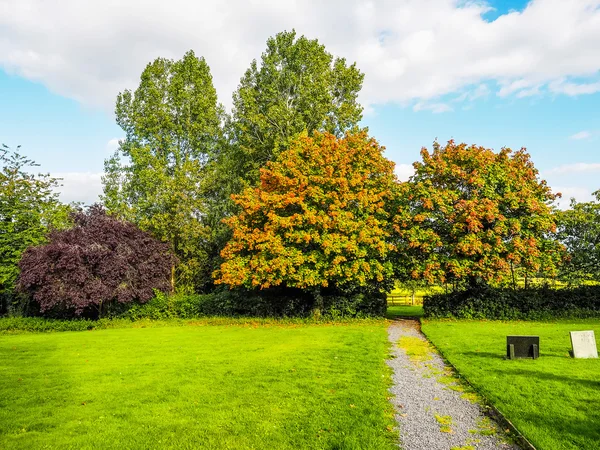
[(554, 401), (404, 311), (217, 387)]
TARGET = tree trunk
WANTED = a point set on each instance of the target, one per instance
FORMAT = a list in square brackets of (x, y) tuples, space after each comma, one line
[(512, 272), (318, 305), (173, 279)]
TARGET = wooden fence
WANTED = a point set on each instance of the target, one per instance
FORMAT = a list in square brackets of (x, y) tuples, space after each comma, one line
[(404, 300)]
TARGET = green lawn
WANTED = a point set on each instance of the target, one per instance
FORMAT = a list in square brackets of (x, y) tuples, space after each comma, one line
[(554, 401), (404, 311), (217, 387)]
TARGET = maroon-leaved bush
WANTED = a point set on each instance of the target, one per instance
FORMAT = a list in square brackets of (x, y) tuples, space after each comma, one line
[(100, 260)]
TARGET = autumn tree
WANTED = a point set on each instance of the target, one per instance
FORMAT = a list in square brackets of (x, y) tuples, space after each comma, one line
[(29, 207), (579, 231), (318, 220), (471, 215), (159, 177), (297, 86), (100, 261)]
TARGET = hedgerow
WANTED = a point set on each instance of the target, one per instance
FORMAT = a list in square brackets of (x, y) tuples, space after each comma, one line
[(509, 304)]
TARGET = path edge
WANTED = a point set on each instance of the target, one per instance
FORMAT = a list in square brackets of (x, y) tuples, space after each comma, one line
[(489, 409)]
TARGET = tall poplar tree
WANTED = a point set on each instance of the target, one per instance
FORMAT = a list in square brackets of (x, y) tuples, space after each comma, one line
[(157, 177), (298, 86)]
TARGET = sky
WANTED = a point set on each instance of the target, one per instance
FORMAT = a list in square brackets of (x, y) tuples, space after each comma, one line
[(493, 73)]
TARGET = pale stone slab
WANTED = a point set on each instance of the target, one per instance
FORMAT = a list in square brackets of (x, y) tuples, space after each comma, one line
[(584, 344)]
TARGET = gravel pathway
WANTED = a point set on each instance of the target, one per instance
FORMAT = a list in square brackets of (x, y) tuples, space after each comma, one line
[(432, 411)]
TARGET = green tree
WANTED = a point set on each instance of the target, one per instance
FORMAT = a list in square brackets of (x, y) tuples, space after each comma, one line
[(29, 207), (157, 178), (299, 86), (579, 231), (471, 215)]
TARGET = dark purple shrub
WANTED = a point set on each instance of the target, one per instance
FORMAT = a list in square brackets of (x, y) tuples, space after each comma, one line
[(101, 261)]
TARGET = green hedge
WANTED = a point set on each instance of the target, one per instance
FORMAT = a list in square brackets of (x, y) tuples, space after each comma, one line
[(17, 325), (242, 303), (222, 303), (522, 304), (42, 325)]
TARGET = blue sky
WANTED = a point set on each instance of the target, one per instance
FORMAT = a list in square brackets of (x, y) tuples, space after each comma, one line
[(492, 73)]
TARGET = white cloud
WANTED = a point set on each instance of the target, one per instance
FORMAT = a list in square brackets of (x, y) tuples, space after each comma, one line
[(515, 86), (534, 90), (581, 135), (404, 171), (80, 186), (574, 168), (410, 51), (572, 89), (578, 193), (480, 91), (435, 108), (113, 144)]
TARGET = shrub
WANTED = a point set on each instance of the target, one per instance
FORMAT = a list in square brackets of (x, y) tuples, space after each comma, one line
[(508, 304), (100, 261), (40, 324), (289, 302), (164, 306), (246, 303)]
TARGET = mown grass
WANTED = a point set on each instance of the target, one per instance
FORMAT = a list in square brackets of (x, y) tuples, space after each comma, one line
[(554, 401), (219, 387), (394, 312), (15, 325)]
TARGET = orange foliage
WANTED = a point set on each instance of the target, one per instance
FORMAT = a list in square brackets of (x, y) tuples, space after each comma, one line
[(471, 212), (319, 218)]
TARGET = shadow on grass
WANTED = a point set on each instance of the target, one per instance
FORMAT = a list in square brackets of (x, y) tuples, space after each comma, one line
[(579, 434), (487, 355), (578, 422), (545, 376)]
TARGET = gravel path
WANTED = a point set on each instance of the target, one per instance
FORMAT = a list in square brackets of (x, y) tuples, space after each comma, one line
[(431, 415)]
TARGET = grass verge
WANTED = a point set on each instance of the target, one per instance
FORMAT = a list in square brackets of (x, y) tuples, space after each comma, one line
[(16, 325), (554, 401)]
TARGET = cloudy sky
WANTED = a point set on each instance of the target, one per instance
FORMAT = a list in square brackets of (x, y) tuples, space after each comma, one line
[(495, 73)]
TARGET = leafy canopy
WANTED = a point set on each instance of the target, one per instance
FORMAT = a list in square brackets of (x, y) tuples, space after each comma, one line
[(100, 260), (29, 207), (157, 177), (579, 231), (470, 213), (318, 219), (299, 86)]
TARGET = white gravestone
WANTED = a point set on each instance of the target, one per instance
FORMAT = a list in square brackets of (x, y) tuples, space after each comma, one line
[(584, 344)]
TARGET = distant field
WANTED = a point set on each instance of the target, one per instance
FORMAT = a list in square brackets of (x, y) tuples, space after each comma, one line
[(404, 296), (554, 401), (214, 387), (404, 311)]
